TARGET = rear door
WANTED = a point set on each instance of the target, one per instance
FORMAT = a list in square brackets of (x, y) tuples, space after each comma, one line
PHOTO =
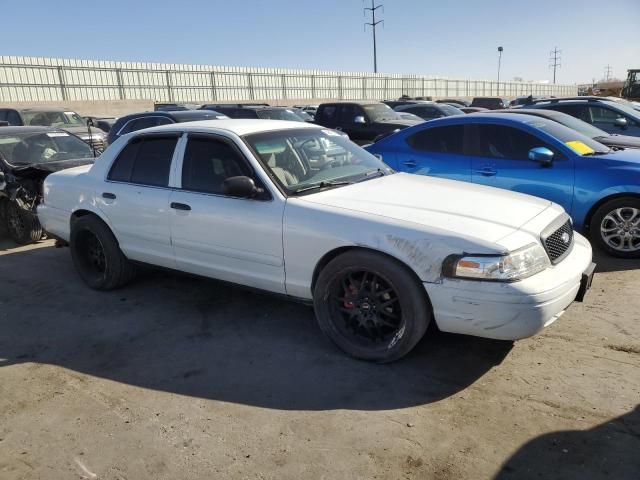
[(437, 151), (234, 239), (501, 159), (135, 198)]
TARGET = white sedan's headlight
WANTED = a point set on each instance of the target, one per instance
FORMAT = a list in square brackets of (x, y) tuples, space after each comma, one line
[(516, 265)]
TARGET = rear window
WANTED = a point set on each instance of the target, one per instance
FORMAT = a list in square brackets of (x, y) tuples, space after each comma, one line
[(145, 161), (448, 139)]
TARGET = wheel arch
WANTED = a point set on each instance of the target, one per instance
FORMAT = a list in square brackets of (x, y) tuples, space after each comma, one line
[(602, 201), (330, 255)]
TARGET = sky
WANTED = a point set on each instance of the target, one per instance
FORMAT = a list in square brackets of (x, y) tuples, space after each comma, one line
[(455, 38)]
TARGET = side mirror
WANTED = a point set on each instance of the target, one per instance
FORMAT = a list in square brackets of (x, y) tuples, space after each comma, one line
[(541, 155), (359, 119), (241, 187), (3, 181), (621, 122)]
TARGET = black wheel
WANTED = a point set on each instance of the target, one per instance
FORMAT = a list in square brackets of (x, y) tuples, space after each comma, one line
[(615, 227), (97, 256), (23, 226), (371, 306)]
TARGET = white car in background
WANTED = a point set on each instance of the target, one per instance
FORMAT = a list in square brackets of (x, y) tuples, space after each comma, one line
[(380, 254)]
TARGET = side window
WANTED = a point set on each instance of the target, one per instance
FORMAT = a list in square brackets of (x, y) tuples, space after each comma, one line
[(145, 161), (449, 139), (13, 118), (604, 115), (208, 163), (328, 112), (348, 113), (578, 111), (243, 113), (3, 115), (501, 142)]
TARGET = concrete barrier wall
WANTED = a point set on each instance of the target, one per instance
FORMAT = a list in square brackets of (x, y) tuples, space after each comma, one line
[(35, 79)]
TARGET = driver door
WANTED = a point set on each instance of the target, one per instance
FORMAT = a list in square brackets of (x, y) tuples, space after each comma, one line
[(238, 240), (358, 132), (500, 158)]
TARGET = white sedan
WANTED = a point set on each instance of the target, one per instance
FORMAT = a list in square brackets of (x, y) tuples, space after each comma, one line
[(299, 210)]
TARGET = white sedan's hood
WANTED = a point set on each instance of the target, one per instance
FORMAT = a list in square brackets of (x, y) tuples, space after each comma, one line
[(471, 210)]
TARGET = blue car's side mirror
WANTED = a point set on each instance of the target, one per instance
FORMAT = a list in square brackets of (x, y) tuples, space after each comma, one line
[(541, 155)]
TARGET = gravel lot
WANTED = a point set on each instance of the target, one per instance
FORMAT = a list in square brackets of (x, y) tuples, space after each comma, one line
[(176, 377)]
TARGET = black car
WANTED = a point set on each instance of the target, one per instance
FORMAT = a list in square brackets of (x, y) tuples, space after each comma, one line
[(429, 111), (362, 121), (138, 121), (265, 112), (610, 140), (27, 156), (56, 117), (455, 101), (492, 103)]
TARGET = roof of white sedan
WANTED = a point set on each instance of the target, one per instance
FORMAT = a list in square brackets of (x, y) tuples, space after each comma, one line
[(237, 126)]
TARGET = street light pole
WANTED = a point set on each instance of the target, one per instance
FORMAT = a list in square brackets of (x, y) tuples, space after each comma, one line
[(500, 49)]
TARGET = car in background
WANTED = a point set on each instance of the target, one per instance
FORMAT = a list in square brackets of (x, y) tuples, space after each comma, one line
[(103, 123), (596, 185), (455, 101), (174, 107), (429, 111), (56, 117), (302, 114), (519, 101), (409, 116), (308, 109), (473, 109), (363, 121), (612, 141), (139, 121), (379, 254), (490, 103), (612, 117), (27, 156), (264, 112)]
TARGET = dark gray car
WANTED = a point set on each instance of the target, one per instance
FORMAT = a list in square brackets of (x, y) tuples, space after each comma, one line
[(610, 140)]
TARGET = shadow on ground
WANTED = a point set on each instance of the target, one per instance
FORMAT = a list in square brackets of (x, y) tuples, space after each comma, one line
[(607, 263), (609, 450), (206, 339)]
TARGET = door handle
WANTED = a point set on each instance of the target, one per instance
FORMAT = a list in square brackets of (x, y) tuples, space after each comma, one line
[(109, 195), (180, 206), (410, 163), (487, 172)]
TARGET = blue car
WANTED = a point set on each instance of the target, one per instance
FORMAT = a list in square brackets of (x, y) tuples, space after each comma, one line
[(598, 186)]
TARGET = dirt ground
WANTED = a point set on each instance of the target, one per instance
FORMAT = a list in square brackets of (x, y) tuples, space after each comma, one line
[(175, 377)]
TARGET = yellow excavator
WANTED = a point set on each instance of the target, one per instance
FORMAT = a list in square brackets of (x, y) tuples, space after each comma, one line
[(631, 88)]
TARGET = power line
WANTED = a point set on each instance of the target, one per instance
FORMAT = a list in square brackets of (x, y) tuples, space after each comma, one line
[(607, 72), (554, 61), (373, 26)]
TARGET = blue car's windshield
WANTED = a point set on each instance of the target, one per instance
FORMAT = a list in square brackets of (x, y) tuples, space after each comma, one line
[(568, 136)]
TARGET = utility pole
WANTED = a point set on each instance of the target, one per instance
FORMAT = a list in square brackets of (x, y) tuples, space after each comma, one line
[(554, 61), (607, 72), (373, 25), (500, 50)]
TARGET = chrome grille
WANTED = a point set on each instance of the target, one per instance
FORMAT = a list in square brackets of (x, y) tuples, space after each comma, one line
[(558, 240)]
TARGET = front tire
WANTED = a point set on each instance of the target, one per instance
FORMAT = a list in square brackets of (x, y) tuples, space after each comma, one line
[(371, 306), (615, 227), (97, 256), (23, 226)]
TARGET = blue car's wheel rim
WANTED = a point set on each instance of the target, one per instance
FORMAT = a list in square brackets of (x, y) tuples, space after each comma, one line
[(620, 229)]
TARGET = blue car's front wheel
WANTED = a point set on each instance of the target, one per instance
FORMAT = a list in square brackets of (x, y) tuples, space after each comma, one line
[(615, 227)]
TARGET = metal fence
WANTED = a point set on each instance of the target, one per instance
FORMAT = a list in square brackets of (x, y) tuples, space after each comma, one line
[(46, 79)]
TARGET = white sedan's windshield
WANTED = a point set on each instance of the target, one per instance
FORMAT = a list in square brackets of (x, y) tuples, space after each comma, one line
[(307, 159)]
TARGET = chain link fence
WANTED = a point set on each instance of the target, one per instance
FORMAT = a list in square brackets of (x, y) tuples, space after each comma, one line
[(32, 79)]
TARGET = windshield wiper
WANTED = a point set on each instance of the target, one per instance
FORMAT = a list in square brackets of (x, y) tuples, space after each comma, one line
[(320, 185), (372, 174)]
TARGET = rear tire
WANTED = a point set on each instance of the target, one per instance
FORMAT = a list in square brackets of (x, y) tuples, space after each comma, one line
[(615, 227), (23, 226), (371, 306), (97, 256)]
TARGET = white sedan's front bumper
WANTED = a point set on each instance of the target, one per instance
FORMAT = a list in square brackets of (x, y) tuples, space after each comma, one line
[(509, 311)]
